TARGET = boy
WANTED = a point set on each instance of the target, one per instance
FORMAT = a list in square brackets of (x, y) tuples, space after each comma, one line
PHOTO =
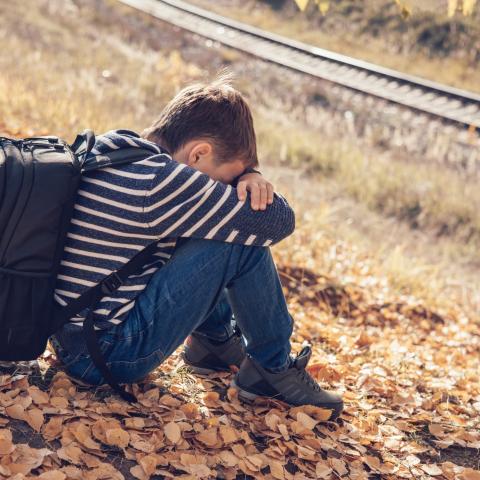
[(212, 256)]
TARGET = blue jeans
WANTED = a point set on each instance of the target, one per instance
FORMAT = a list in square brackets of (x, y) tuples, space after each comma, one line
[(198, 289)]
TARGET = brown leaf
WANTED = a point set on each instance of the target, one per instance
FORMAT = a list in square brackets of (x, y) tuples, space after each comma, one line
[(431, 469), (436, 430), (469, 474), (228, 458), (117, 437), (169, 401), (135, 422), (307, 421), (59, 402), (6, 445), (338, 465), (149, 464), (173, 432), (16, 411), (34, 417), (208, 437), (38, 396), (322, 470), (211, 399), (372, 462), (138, 472), (71, 453), (53, 428), (228, 434), (239, 450), (277, 469), (52, 475), (83, 434)]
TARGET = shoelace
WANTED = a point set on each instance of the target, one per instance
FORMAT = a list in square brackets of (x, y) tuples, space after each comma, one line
[(305, 376)]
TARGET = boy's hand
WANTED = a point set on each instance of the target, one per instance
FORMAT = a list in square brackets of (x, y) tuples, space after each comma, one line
[(261, 191)]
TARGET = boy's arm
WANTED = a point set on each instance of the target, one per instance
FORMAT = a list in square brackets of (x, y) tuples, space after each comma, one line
[(261, 190), (184, 202)]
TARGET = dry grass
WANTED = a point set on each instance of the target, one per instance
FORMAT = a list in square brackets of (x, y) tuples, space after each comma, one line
[(61, 79), (122, 82), (424, 196)]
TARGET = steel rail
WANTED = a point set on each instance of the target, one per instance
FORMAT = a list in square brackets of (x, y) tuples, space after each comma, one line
[(449, 103)]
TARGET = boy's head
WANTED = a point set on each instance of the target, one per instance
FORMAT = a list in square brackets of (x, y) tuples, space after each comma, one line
[(210, 128)]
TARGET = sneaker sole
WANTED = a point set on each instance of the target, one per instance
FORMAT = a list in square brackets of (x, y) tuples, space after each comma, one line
[(250, 397), (201, 370), (244, 394)]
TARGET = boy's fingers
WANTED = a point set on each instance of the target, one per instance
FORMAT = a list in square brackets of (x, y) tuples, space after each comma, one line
[(270, 192), (242, 191), (263, 196), (255, 194)]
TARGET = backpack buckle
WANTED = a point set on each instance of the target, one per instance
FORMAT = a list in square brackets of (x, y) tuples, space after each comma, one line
[(111, 283)]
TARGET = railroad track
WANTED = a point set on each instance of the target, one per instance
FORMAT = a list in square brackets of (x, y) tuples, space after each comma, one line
[(451, 104)]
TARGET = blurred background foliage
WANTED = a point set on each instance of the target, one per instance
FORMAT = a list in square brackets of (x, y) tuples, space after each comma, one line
[(465, 7)]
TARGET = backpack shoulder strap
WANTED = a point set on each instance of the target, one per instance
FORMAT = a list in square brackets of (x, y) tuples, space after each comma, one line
[(85, 141), (108, 285), (83, 144), (89, 299), (122, 156)]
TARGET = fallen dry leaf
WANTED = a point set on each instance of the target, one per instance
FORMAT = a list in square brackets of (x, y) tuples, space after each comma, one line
[(173, 432), (117, 437)]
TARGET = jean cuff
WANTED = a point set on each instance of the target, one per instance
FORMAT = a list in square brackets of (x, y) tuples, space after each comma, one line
[(221, 334), (282, 368)]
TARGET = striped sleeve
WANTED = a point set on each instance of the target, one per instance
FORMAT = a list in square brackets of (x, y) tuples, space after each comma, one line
[(184, 202)]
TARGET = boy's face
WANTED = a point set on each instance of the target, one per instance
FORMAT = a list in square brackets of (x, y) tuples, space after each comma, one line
[(199, 155)]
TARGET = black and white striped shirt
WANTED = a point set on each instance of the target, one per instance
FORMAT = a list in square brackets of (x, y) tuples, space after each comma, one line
[(120, 210)]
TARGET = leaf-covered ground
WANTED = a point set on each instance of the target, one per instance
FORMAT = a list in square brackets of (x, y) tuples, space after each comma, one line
[(409, 377), (408, 366)]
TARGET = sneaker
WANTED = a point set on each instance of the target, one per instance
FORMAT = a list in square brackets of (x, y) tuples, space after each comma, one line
[(204, 356), (294, 386)]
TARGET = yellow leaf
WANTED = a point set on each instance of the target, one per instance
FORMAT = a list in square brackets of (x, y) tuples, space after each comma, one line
[(302, 4), (405, 9), (323, 6), (452, 7), (468, 6)]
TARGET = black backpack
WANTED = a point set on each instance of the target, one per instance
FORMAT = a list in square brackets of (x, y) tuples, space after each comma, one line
[(39, 178)]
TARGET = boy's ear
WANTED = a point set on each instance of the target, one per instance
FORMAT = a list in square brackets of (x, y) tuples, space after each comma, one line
[(199, 150)]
